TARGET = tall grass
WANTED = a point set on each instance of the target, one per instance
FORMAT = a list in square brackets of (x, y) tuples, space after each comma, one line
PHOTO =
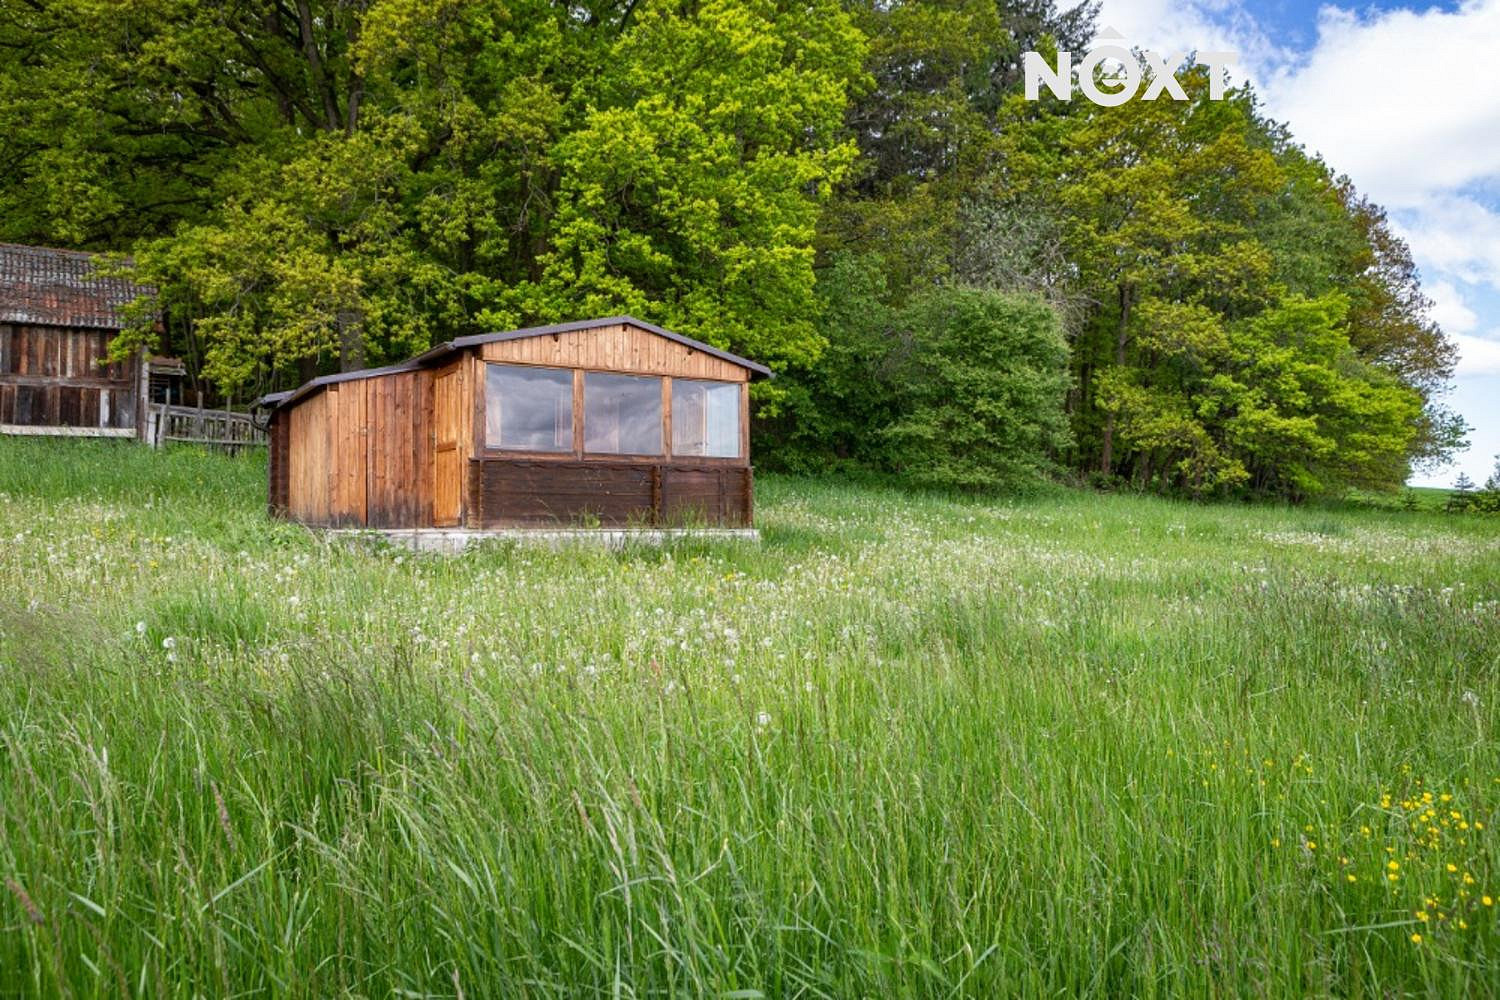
[(906, 746)]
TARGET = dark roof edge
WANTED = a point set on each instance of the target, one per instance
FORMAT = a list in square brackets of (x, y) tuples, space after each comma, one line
[(278, 399)]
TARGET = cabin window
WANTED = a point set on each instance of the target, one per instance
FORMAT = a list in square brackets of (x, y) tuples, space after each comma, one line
[(621, 414), (528, 409), (705, 418)]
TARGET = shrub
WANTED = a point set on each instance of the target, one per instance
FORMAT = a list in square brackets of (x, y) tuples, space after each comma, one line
[(983, 386)]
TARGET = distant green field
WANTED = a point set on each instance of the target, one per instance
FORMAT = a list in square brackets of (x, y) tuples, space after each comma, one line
[(1069, 745)]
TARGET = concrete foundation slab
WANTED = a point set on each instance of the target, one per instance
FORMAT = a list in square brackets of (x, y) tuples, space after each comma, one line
[(454, 540)]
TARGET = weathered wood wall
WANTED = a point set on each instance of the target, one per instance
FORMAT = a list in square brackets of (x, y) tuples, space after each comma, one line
[(615, 348), (519, 493), (51, 377)]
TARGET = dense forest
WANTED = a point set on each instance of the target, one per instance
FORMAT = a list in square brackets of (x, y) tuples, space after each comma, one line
[(953, 283)]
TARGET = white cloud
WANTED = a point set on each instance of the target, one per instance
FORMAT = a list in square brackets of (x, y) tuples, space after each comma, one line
[(1454, 235), (1402, 101), (1477, 355), (1449, 308), (1202, 26)]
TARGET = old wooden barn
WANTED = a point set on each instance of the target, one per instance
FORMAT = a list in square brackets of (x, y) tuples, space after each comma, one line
[(57, 319), (605, 422)]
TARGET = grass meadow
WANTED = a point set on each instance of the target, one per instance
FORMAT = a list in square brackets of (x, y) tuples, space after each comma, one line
[(1066, 744)]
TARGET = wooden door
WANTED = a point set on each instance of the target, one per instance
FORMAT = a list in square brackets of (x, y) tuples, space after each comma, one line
[(447, 457)]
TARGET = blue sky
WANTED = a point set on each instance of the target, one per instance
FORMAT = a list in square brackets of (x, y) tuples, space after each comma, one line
[(1405, 99)]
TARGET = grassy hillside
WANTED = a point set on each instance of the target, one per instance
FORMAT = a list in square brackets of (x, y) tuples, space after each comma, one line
[(906, 746)]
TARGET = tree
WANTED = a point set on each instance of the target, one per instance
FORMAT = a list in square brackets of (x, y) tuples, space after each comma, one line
[(1157, 195), (1463, 483), (692, 187), (351, 181)]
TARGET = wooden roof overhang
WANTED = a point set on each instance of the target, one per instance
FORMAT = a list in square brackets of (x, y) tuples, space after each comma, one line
[(442, 352)]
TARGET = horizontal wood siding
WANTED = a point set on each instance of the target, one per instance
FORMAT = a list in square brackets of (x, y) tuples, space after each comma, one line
[(718, 495), (55, 377), (617, 348), (515, 493)]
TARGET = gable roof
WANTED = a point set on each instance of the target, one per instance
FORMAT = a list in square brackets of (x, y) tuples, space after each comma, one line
[(60, 288), (443, 351)]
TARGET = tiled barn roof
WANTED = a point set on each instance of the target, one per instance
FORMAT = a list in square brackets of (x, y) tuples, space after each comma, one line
[(59, 288)]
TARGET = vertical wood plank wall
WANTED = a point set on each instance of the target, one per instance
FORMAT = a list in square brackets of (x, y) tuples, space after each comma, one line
[(360, 453), (309, 466), (277, 456)]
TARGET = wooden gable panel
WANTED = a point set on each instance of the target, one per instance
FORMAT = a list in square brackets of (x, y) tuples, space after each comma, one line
[(619, 348)]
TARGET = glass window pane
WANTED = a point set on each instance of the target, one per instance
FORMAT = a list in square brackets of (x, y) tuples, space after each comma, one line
[(705, 418), (621, 414), (528, 409)]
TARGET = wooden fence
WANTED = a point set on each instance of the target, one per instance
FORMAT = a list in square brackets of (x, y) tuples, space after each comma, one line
[(221, 429)]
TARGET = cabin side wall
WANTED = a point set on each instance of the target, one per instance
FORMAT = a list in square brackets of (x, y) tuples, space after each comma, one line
[(53, 380), (397, 450), (359, 453), (278, 444)]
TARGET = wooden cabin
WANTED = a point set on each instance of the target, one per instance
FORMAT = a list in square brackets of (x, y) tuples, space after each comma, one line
[(57, 319), (605, 422)]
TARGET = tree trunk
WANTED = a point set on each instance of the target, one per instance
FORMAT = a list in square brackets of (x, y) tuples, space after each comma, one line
[(1107, 452), (351, 324), (333, 120)]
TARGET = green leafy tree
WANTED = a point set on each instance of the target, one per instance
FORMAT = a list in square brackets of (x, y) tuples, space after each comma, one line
[(691, 189), (349, 182)]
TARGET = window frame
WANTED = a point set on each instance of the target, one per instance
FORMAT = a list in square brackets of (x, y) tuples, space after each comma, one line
[(482, 449), (739, 421), (481, 422), (663, 415)]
